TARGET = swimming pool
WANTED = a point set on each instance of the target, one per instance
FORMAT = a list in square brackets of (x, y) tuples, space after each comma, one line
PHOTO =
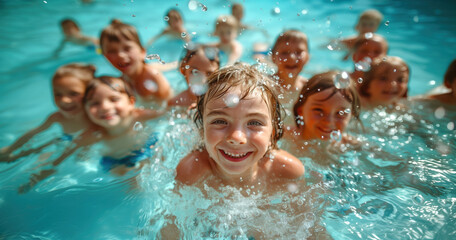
[(81, 202)]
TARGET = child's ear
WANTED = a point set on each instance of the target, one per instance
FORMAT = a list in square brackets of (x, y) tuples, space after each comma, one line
[(132, 100)]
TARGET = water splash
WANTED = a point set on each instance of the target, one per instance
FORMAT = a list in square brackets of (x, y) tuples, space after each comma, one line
[(368, 35), (192, 5), (363, 65), (155, 56), (151, 85), (197, 83), (450, 126), (387, 23), (231, 100), (166, 18), (183, 34), (138, 127), (336, 136), (439, 112), (275, 11), (342, 80)]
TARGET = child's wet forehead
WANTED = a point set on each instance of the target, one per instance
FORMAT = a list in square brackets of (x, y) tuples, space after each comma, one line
[(234, 98)]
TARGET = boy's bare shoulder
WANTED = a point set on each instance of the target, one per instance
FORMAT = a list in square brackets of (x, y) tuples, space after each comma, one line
[(193, 167), (283, 164)]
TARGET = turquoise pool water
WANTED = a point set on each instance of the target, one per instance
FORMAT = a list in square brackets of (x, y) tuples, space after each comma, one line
[(365, 198)]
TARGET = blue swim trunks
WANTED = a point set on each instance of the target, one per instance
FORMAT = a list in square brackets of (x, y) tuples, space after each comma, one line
[(108, 163), (66, 137)]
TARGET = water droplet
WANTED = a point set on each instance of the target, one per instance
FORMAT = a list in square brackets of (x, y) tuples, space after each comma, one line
[(231, 100), (341, 112), (203, 7), (360, 80), (348, 110), (155, 56), (336, 136), (98, 179), (150, 85), (166, 18), (290, 75), (439, 113), (304, 11), (368, 35), (197, 83), (45, 1), (416, 19), (192, 5), (138, 126), (292, 187), (187, 66), (387, 23), (363, 65), (330, 47), (133, 15), (183, 34), (276, 11), (342, 80), (418, 199), (450, 126), (432, 83)]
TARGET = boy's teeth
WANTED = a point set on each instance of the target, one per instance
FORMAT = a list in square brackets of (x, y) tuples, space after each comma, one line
[(234, 155)]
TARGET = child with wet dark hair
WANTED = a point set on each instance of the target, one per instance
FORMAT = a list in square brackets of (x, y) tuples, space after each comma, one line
[(121, 46), (72, 34), (386, 83)]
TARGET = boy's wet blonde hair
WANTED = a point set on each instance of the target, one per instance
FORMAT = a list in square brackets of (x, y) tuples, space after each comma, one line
[(249, 79), (225, 21), (114, 83), (321, 82), (371, 14), (84, 72), (392, 62), (289, 36), (117, 31)]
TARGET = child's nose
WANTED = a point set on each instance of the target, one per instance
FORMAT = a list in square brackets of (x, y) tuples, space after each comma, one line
[(66, 99), (237, 137)]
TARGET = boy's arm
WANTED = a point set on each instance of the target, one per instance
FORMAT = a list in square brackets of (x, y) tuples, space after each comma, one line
[(153, 39), (26, 137)]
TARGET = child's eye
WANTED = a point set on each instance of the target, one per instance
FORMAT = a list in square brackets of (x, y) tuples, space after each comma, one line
[(401, 80), (94, 104), (115, 99), (75, 94), (219, 122), (255, 123), (384, 78)]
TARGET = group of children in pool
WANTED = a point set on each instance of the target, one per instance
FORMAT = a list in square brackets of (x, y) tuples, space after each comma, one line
[(239, 109)]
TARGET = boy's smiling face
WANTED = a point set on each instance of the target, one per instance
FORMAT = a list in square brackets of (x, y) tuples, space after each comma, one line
[(237, 133)]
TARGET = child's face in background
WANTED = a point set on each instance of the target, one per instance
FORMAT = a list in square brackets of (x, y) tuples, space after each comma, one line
[(371, 49), (199, 64), (227, 34), (321, 115), (367, 25), (127, 56), (109, 108), (238, 135), (290, 57), (68, 94), (388, 85), (175, 22)]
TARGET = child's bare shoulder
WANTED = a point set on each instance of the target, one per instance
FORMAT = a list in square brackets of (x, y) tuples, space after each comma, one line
[(193, 167), (284, 165)]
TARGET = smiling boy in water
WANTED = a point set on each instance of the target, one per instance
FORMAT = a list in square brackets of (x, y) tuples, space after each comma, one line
[(239, 120)]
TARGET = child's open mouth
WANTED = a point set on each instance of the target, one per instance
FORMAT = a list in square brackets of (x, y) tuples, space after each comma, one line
[(235, 157)]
